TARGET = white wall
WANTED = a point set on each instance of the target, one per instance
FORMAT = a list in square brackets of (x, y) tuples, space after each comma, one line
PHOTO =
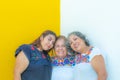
[(100, 21)]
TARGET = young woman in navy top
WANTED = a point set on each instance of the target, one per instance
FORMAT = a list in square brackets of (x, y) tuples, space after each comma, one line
[(32, 60)]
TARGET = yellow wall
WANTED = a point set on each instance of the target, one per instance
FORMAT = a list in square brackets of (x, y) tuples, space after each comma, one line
[(21, 22)]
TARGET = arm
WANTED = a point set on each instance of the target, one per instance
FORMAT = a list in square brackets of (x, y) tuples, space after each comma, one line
[(20, 65), (99, 66)]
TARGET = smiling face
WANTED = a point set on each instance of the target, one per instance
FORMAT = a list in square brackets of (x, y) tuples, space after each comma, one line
[(60, 48), (47, 42), (76, 43)]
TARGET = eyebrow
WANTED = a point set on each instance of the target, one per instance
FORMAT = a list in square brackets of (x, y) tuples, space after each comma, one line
[(50, 37)]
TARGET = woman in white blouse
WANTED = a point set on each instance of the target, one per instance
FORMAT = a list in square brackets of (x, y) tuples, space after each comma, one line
[(90, 63), (62, 63)]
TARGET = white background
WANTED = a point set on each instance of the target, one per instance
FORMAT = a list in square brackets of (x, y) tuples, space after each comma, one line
[(99, 20)]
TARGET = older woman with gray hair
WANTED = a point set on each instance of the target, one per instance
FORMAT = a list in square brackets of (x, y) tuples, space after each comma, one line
[(63, 62), (89, 61)]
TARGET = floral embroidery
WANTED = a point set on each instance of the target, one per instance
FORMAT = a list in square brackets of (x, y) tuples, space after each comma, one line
[(32, 48), (69, 60), (81, 58), (43, 56), (34, 54)]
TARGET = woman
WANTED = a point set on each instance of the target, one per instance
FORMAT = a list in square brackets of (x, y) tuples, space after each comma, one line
[(32, 60), (62, 63), (89, 62)]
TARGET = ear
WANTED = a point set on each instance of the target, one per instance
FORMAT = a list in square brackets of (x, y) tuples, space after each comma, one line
[(41, 38)]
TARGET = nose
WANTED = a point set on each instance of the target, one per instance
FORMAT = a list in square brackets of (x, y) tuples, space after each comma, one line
[(50, 43), (60, 48), (73, 43)]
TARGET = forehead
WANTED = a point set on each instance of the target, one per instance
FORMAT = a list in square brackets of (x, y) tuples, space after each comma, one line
[(73, 36), (50, 36), (60, 41)]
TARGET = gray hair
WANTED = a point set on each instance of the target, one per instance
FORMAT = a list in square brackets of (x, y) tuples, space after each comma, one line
[(81, 36)]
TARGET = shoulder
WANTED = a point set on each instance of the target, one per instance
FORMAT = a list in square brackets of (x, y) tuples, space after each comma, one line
[(25, 48), (95, 49), (94, 52)]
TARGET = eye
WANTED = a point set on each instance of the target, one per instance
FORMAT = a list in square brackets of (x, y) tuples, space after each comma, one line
[(56, 46), (63, 46), (75, 39), (49, 39)]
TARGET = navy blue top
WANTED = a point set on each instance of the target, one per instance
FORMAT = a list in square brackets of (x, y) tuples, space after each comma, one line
[(39, 67)]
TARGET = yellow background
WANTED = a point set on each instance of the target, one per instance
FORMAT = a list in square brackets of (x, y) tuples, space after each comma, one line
[(22, 22)]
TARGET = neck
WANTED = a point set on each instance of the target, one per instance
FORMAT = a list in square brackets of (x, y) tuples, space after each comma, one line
[(40, 49), (85, 49)]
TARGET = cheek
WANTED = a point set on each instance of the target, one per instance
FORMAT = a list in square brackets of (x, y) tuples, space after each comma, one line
[(57, 54), (72, 46), (56, 49), (44, 44), (64, 49), (51, 45)]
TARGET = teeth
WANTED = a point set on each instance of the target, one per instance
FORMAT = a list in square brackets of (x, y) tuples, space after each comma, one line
[(61, 52)]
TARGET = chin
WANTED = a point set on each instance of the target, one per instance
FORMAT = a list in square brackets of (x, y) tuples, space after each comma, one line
[(45, 49), (61, 56)]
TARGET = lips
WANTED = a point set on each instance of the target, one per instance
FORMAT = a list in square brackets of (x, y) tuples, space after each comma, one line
[(60, 52), (76, 45), (48, 46)]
